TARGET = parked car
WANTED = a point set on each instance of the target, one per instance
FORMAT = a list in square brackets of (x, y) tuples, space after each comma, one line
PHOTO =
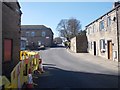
[(42, 47)]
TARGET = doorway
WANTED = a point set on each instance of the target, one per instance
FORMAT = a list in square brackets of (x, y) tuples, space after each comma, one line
[(109, 49), (94, 48)]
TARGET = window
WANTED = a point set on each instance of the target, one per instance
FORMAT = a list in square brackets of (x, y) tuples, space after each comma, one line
[(43, 34), (88, 31), (7, 50), (101, 25), (108, 21), (23, 45), (93, 28), (91, 45), (102, 44), (39, 43), (32, 34), (27, 43), (27, 34)]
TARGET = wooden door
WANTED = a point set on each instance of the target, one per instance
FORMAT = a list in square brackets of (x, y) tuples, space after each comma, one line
[(109, 49)]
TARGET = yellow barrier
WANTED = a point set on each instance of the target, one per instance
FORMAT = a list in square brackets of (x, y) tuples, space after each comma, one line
[(26, 54), (19, 75), (33, 55), (4, 82), (23, 55)]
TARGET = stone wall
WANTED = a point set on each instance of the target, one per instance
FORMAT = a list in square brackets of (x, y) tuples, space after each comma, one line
[(73, 44), (79, 44), (82, 44)]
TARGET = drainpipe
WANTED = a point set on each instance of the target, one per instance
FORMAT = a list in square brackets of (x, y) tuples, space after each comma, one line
[(118, 35)]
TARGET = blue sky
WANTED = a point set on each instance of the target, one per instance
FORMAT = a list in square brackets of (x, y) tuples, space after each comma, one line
[(50, 13)]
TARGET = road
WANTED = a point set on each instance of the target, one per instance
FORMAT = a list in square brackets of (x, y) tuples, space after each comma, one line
[(63, 70)]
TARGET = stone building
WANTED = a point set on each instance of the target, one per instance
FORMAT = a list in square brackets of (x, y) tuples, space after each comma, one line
[(37, 35), (11, 23), (102, 35), (78, 44), (57, 40)]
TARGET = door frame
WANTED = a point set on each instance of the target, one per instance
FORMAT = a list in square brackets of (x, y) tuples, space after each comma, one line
[(94, 42), (109, 42)]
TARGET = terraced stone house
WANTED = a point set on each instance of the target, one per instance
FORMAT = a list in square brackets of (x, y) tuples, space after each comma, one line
[(103, 34)]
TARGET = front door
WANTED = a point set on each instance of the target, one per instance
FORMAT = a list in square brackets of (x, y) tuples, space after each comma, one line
[(94, 48), (109, 49)]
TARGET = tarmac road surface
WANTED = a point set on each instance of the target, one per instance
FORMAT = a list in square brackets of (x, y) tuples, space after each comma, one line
[(65, 71)]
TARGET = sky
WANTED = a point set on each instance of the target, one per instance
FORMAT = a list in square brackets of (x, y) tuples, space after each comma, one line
[(50, 13)]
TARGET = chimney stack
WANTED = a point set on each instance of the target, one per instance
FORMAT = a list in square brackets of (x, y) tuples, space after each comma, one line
[(116, 4)]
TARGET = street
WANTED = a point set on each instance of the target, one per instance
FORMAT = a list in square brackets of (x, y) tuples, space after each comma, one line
[(64, 70), (59, 45)]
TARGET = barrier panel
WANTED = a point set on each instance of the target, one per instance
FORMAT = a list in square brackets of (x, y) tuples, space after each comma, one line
[(19, 75), (4, 82)]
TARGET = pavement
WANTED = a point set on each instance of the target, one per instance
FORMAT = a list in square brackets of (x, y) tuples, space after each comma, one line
[(106, 63), (65, 70)]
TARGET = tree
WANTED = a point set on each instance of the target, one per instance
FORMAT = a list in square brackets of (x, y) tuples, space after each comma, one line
[(62, 28), (69, 28), (74, 27)]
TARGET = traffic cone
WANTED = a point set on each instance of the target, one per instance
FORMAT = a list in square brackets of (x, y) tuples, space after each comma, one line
[(40, 66), (30, 80)]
